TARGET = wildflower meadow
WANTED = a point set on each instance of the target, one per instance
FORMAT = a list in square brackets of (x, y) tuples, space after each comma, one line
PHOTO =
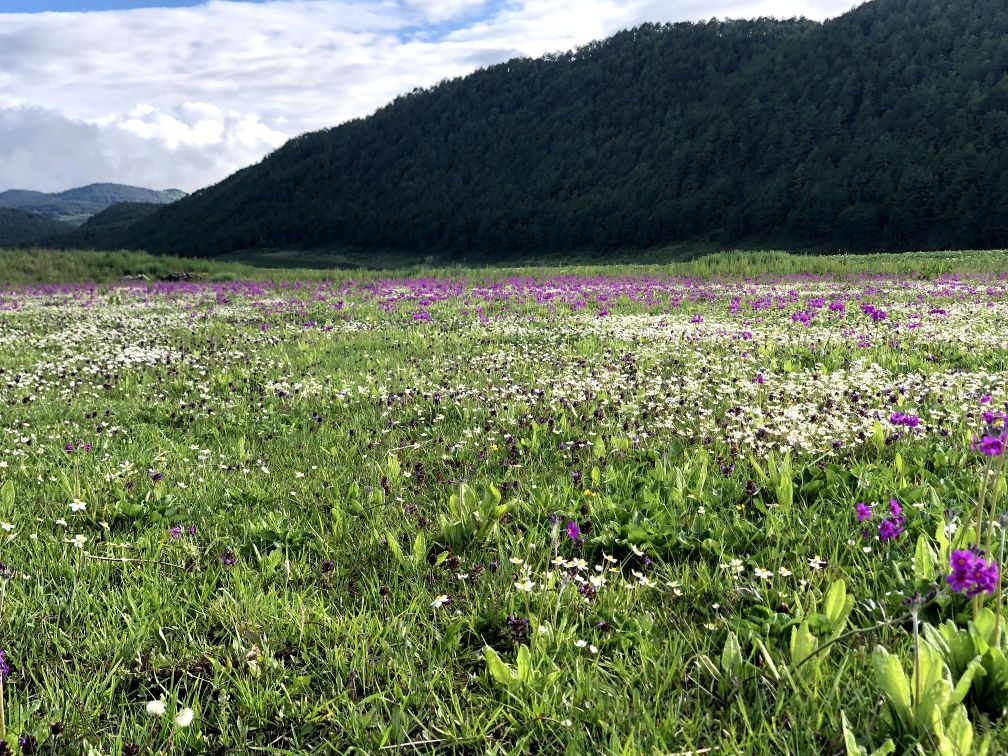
[(649, 510)]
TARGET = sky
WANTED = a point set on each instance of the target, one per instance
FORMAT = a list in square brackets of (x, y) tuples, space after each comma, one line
[(177, 94)]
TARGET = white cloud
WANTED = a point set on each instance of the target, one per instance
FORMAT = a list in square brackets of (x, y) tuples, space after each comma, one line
[(184, 96)]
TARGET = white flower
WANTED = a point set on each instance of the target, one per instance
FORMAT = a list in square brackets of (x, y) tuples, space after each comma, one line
[(762, 574), (784, 572), (440, 601), (525, 585), (77, 506), (185, 717), (580, 643), (6, 527), (78, 540), (156, 708)]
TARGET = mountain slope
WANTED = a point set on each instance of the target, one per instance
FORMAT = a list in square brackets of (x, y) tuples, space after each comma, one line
[(77, 205), (20, 227), (885, 127)]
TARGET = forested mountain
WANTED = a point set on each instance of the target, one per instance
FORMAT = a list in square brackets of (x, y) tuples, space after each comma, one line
[(76, 205), (20, 227), (885, 127)]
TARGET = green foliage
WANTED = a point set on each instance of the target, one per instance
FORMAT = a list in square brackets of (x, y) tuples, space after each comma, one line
[(927, 707), (980, 640), (471, 519), (20, 227)]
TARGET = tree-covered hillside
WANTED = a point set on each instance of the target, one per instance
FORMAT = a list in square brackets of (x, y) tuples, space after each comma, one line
[(20, 227), (886, 127)]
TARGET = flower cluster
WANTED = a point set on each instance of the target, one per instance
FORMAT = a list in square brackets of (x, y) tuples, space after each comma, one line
[(908, 421), (891, 527), (971, 574)]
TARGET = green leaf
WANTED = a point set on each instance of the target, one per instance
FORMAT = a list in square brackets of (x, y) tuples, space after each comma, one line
[(394, 547), (895, 687), (837, 607), (500, 671), (524, 664), (731, 656), (924, 561), (7, 496), (803, 644), (420, 549)]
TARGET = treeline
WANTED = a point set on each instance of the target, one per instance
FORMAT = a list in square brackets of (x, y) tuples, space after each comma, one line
[(884, 128)]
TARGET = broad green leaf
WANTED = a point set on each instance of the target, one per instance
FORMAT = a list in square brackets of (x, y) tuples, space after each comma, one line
[(803, 644), (895, 687), (731, 656), (924, 561)]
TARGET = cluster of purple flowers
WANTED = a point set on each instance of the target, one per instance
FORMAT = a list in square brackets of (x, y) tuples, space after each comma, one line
[(971, 574), (877, 315), (178, 530), (79, 446), (994, 439), (909, 421), (891, 527)]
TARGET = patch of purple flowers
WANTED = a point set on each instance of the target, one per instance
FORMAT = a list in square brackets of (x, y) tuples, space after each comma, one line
[(908, 421), (877, 315), (892, 527), (971, 574)]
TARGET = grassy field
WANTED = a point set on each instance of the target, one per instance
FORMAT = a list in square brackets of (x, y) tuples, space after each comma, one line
[(706, 507)]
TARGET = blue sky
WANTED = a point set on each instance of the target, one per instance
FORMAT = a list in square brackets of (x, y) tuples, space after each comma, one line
[(173, 96)]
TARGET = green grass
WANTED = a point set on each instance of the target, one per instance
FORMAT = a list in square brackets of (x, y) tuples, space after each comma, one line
[(51, 266), (314, 426)]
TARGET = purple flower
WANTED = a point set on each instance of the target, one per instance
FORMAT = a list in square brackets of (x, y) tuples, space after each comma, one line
[(970, 574), (863, 512), (229, 559), (176, 532), (991, 446), (573, 531), (4, 667), (895, 508), (890, 529)]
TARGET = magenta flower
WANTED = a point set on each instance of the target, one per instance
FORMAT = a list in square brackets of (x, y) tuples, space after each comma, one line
[(863, 512), (573, 531), (970, 574), (990, 446)]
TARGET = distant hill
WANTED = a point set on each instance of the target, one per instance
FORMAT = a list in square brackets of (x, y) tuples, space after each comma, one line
[(20, 227), (108, 229), (75, 206), (886, 127)]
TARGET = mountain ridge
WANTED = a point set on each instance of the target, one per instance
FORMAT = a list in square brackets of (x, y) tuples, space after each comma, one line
[(883, 128), (74, 206)]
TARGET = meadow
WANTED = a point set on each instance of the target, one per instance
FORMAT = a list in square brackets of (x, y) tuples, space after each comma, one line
[(749, 503)]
